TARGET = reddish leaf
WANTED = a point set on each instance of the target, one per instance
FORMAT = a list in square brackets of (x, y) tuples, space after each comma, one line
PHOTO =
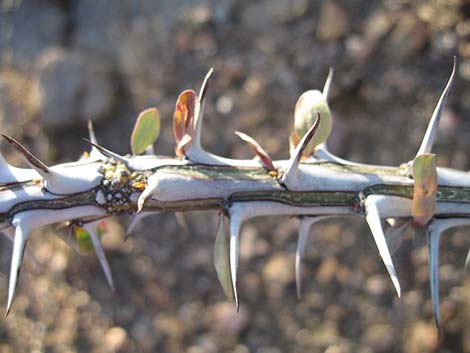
[(184, 116), (266, 161)]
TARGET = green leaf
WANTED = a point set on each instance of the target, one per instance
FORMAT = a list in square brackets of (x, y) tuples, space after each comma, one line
[(146, 130), (221, 259)]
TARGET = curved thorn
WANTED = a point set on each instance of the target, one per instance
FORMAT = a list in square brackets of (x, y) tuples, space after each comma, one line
[(95, 154), (428, 140), (199, 112), (293, 164), (108, 153), (221, 259), (136, 219), (21, 237), (374, 222), (265, 160), (149, 150), (236, 220), (467, 262), (9, 233), (327, 86), (432, 236), (91, 132), (91, 228), (205, 84), (304, 231), (150, 189), (32, 160), (181, 220)]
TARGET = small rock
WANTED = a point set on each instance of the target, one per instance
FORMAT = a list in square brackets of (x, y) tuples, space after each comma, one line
[(327, 270), (376, 286), (334, 22), (278, 273), (380, 338), (74, 87), (115, 338), (19, 99), (27, 28), (407, 38), (422, 338)]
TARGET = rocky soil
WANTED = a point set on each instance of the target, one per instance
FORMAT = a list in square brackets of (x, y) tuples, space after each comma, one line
[(64, 62)]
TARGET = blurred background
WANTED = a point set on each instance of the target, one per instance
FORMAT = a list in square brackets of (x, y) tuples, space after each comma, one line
[(63, 62)]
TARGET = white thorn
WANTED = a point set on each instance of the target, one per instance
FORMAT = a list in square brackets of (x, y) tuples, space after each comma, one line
[(95, 153), (428, 140), (432, 236), (294, 160), (92, 229), (109, 153), (181, 220), (10, 174), (59, 180), (21, 237), (149, 150), (373, 219), (327, 86), (150, 189), (199, 112), (433, 233), (304, 230), (9, 233), (467, 262), (136, 219), (236, 220), (32, 160)]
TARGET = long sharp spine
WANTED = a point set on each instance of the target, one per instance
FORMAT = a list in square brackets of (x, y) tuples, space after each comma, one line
[(374, 222)]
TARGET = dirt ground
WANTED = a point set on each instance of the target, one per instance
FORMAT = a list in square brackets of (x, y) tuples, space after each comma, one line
[(63, 62)]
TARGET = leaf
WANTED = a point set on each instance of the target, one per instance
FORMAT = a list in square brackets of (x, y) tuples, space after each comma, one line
[(425, 188), (221, 259), (309, 106), (266, 160), (183, 118), (146, 130)]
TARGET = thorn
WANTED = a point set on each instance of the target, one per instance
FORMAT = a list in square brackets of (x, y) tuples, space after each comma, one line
[(108, 153), (467, 262), (205, 84), (265, 159), (95, 154), (236, 220), (91, 132), (221, 259), (432, 236), (198, 116), (428, 140), (179, 216), (327, 86), (137, 218), (21, 237), (293, 164), (33, 161), (91, 228), (374, 222), (149, 150)]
